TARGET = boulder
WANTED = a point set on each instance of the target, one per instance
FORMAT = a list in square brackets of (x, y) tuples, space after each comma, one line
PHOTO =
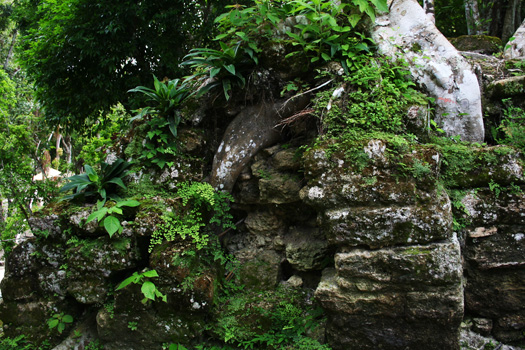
[(396, 298), (477, 43)]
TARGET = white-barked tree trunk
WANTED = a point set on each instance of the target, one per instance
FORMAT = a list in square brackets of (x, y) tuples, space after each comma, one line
[(405, 32)]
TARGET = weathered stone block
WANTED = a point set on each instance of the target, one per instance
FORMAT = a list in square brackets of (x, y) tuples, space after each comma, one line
[(484, 208), (509, 87), (473, 167), (495, 271), (264, 223), (100, 259), (279, 188), (262, 271), (359, 190), (152, 329), (306, 249), (398, 298), (388, 226)]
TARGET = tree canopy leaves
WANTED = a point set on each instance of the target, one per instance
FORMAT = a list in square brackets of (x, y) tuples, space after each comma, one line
[(84, 55)]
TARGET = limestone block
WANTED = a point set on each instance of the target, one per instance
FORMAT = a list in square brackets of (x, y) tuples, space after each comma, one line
[(47, 224), (264, 223), (505, 88), (387, 226), (279, 188), (379, 178), (153, 327), (478, 167), (100, 260), (397, 298), (486, 209), (495, 271), (306, 249), (504, 248)]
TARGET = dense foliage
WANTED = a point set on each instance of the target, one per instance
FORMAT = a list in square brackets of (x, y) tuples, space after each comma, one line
[(85, 55)]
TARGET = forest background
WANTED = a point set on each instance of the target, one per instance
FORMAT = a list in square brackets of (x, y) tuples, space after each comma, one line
[(67, 67)]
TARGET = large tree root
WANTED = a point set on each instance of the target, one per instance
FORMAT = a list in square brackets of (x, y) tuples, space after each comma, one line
[(435, 65), (252, 130)]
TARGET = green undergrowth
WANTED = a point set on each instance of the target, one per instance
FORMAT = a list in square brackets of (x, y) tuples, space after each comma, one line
[(376, 97), (461, 158), (275, 320)]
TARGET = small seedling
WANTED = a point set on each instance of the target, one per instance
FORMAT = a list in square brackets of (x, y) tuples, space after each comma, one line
[(59, 321)]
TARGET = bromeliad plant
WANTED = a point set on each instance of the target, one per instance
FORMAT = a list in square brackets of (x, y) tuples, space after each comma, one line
[(164, 100), (101, 187), (225, 67)]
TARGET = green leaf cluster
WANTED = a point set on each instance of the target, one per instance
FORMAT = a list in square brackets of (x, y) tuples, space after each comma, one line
[(511, 131), (225, 67), (376, 97), (248, 321), (84, 55), (90, 184), (148, 288), (111, 222), (198, 200), (159, 146), (164, 100), (328, 31), (59, 321)]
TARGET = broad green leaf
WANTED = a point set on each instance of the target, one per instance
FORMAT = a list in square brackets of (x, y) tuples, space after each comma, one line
[(112, 225), (115, 209), (370, 12), (381, 5), (363, 4), (92, 175), (174, 122), (117, 181), (214, 71), (99, 214), (67, 319), (100, 204), (150, 274), (128, 203), (61, 327), (52, 323), (148, 289), (230, 68), (354, 19), (226, 87), (131, 279), (221, 36)]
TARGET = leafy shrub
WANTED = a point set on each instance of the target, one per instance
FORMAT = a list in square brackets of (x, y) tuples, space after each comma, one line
[(148, 288), (512, 126), (18, 343), (164, 99), (276, 320), (111, 221), (329, 30), (59, 321), (225, 67), (377, 97), (326, 32), (197, 200), (90, 184), (101, 135)]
